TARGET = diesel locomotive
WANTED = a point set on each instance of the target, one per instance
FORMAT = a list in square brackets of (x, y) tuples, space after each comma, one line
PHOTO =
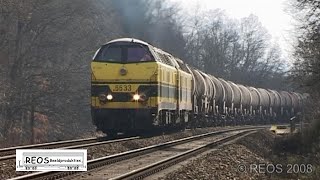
[(136, 87)]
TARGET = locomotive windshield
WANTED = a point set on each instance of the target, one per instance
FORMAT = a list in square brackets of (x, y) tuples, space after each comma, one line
[(124, 54)]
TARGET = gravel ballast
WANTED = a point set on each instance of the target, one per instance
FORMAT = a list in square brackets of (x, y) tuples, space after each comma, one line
[(221, 164), (7, 168), (251, 157)]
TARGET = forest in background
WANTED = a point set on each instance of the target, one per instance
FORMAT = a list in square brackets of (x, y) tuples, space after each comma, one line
[(305, 72), (46, 48)]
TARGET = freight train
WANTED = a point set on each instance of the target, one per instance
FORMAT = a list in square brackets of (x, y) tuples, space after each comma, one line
[(136, 87)]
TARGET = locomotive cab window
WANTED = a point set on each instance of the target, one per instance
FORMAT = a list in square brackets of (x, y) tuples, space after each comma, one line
[(112, 54), (124, 54)]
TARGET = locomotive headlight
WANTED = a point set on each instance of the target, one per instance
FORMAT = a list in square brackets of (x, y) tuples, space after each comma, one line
[(102, 97), (109, 97), (136, 97)]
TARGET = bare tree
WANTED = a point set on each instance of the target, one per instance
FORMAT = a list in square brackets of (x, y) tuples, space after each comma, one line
[(305, 73), (306, 70), (237, 50), (47, 74)]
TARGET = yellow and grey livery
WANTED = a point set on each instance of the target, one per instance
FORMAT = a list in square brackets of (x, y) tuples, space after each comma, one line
[(136, 86)]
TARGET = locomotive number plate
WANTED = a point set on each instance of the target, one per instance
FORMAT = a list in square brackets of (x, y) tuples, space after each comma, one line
[(122, 88)]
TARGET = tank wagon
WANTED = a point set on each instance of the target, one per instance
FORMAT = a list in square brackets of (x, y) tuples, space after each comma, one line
[(138, 87)]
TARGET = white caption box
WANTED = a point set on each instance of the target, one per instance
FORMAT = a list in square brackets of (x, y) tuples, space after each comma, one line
[(51, 160)]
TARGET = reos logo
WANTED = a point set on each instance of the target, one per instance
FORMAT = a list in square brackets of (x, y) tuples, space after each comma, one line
[(36, 160)]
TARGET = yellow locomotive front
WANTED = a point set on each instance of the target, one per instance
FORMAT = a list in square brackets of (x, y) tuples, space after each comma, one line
[(124, 86), (129, 87)]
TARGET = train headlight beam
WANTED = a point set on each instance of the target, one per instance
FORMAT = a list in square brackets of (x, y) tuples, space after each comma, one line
[(136, 97), (109, 97)]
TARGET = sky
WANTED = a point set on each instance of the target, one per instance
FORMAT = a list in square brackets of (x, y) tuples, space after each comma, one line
[(272, 14)]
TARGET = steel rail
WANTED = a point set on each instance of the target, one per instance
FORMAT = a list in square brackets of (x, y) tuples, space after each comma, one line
[(9, 150), (164, 164), (103, 161), (79, 145)]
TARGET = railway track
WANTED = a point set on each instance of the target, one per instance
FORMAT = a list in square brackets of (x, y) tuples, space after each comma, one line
[(160, 165), (142, 162), (10, 153), (12, 150)]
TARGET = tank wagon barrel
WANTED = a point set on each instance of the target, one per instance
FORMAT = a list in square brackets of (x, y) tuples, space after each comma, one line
[(202, 84), (229, 94), (287, 101), (209, 85), (237, 100), (210, 93), (255, 99), (246, 97), (275, 102), (296, 99), (265, 99), (219, 94), (276, 99)]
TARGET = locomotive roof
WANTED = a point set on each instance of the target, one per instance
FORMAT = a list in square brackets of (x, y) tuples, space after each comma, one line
[(128, 40)]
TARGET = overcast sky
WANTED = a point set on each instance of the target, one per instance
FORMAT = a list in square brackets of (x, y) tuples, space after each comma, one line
[(271, 14)]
